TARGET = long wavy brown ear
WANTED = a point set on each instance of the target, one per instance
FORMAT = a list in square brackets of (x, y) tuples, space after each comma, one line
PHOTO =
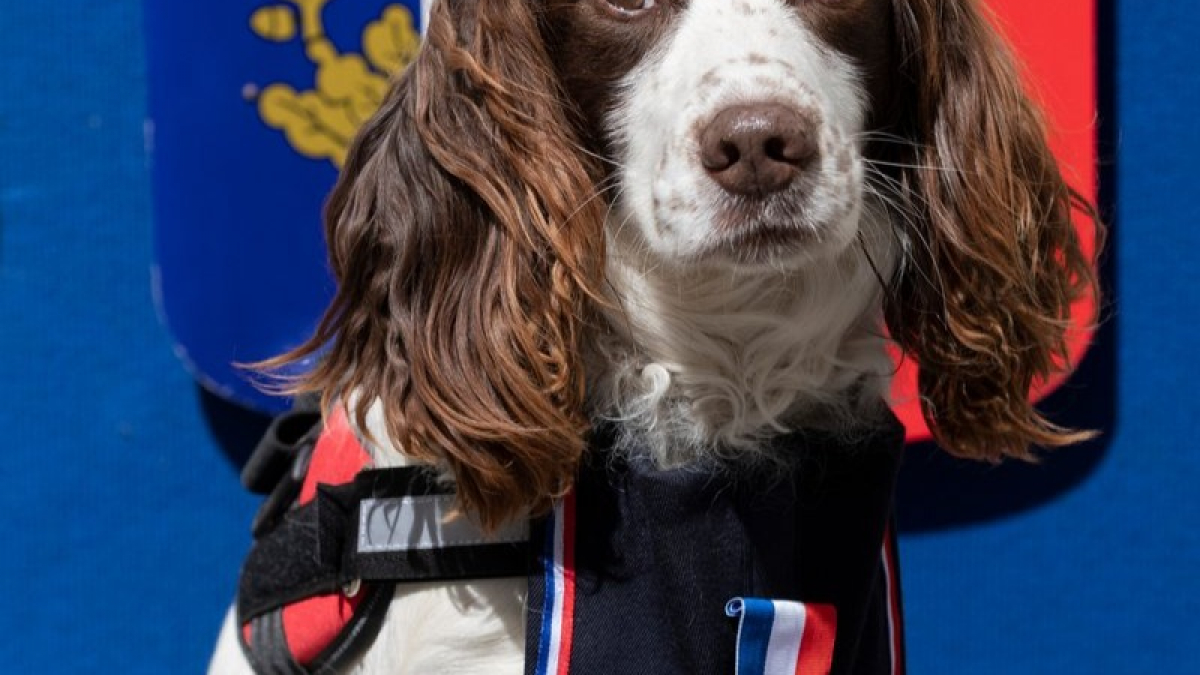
[(468, 248), (995, 262)]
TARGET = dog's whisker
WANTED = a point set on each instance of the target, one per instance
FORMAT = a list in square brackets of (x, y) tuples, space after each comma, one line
[(919, 167), (597, 194)]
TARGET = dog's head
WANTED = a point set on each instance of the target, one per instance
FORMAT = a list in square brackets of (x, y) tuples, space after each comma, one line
[(534, 141)]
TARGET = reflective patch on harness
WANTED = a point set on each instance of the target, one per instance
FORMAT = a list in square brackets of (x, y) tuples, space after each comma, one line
[(419, 523)]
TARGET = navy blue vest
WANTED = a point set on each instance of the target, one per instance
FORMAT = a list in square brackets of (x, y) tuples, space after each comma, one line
[(658, 554), (631, 573)]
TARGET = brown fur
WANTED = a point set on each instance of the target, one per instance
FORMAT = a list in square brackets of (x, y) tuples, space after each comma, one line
[(466, 236), (996, 262), (467, 243)]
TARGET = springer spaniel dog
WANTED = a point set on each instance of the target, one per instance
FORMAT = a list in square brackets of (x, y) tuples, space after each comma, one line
[(702, 223)]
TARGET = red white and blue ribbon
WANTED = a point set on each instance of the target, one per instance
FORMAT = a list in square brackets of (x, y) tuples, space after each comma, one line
[(558, 603), (781, 637), (895, 615)]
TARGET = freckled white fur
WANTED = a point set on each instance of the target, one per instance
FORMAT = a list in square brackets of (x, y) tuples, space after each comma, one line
[(708, 355), (704, 355), (722, 53)]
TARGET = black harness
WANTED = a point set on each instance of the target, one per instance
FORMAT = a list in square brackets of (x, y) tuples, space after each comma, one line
[(653, 556)]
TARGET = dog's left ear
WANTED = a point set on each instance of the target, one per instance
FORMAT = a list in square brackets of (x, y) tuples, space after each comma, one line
[(994, 261)]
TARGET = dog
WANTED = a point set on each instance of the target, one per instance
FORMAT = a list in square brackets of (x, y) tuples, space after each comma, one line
[(704, 223)]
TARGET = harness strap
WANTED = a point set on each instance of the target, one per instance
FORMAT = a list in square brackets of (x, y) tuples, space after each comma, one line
[(333, 539), (406, 528), (294, 640)]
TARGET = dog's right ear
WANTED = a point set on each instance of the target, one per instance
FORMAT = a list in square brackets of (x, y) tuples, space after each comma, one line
[(467, 243)]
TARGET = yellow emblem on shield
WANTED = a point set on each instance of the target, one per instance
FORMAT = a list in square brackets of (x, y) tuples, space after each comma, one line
[(321, 122)]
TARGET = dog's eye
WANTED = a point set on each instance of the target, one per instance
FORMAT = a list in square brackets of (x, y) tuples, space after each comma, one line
[(629, 7)]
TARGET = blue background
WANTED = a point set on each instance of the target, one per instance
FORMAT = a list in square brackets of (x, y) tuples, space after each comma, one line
[(124, 523), (221, 176)]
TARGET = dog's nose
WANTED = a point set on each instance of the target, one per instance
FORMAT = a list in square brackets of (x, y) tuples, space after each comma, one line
[(758, 148)]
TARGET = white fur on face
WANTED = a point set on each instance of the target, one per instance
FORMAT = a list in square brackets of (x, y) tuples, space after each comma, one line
[(712, 351), (720, 53)]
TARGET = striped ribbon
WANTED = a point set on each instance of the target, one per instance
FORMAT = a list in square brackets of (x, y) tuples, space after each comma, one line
[(781, 637), (558, 605), (895, 615)]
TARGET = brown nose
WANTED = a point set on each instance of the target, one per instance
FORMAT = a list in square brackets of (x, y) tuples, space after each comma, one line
[(758, 148)]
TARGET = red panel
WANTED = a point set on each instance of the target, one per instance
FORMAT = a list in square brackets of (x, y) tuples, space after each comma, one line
[(1057, 43)]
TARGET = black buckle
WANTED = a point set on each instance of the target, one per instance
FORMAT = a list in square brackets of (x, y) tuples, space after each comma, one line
[(279, 463)]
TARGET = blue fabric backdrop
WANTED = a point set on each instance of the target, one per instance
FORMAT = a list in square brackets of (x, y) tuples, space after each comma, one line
[(124, 523)]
